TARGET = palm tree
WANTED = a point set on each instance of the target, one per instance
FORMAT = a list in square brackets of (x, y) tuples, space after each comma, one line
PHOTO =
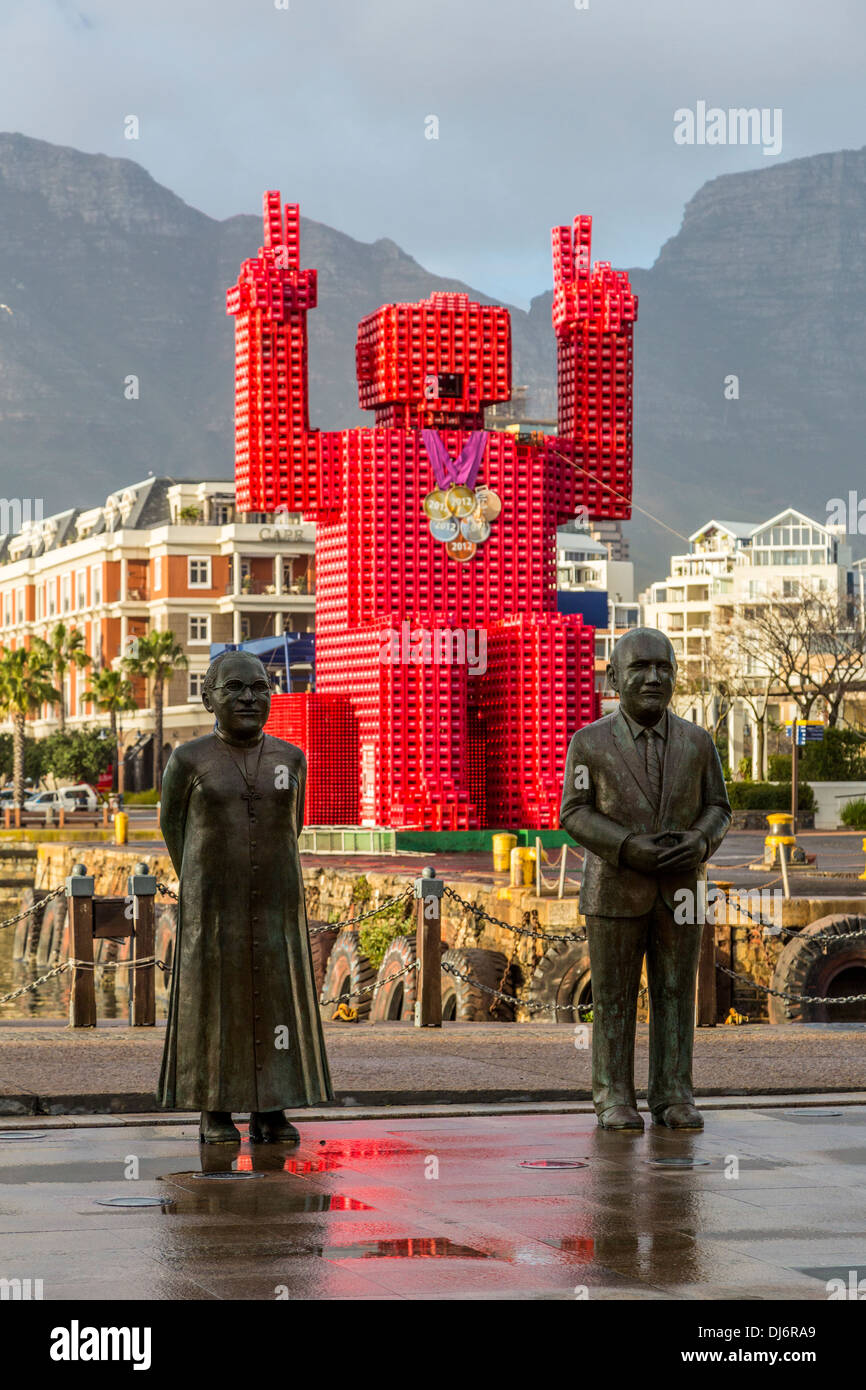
[(66, 645), (111, 692), (157, 656), (25, 685)]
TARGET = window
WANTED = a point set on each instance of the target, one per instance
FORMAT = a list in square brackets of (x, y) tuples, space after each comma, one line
[(19, 596), (96, 583), (199, 628), (40, 598), (196, 684), (199, 572), (51, 590), (157, 571), (82, 588), (66, 593)]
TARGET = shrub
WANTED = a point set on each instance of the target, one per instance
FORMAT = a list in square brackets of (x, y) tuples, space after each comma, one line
[(77, 755), (376, 934), (839, 757), (769, 796), (33, 758), (148, 798), (854, 814)]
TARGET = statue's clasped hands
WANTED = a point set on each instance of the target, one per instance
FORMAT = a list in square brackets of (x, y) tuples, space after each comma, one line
[(667, 852)]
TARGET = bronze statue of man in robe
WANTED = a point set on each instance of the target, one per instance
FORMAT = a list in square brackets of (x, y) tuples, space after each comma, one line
[(244, 1032)]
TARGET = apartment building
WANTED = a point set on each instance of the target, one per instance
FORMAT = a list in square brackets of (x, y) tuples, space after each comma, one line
[(601, 588), (160, 554), (732, 566)]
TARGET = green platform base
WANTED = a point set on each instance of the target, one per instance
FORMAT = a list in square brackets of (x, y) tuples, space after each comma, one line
[(475, 841)]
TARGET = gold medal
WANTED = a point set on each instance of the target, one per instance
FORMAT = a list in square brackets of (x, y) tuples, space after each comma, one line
[(461, 500), (461, 550), (447, 530), (435, 505), (475, 528), (489, 505)]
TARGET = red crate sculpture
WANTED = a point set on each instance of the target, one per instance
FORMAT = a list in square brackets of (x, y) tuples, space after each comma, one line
[(448, 685)]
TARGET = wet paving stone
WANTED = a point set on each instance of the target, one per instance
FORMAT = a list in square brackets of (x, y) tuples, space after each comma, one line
[(441, 1208)]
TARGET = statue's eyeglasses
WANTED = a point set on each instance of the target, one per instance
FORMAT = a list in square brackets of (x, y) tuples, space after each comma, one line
[(238, 687)]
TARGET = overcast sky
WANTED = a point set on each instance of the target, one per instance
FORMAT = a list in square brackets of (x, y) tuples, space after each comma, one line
[(544, 110)]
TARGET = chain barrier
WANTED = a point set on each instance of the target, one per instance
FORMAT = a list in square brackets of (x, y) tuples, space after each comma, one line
[(451, 969), (84, 965), (348, 922), (34, 984), (34, 907), (793, 998), (371, 989), (537, 935)]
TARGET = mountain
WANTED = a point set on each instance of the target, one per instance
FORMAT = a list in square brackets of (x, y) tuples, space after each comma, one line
[(105, 274)]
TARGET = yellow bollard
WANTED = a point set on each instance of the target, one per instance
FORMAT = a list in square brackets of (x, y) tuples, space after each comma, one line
[(781, 833), (121, 825), (521, 866), (502, 847), (863, 875)]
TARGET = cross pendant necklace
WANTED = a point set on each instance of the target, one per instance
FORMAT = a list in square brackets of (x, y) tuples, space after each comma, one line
[(250, 796)]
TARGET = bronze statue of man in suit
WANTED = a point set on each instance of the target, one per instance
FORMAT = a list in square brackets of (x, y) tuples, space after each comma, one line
[(645, 796)]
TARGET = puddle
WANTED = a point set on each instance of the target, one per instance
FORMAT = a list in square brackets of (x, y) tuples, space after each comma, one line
[(678, 1162), (406, 1248), (800, 1115), (81, 1172), (554, 1163), (133, 1202)]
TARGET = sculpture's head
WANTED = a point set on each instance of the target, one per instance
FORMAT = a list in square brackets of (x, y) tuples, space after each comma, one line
[(237, 691), (643, 672), (435, 363)]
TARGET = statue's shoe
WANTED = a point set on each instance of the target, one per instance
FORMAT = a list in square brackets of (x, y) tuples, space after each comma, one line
[(272, 1127), (620, 1117), (679, 1117), (217, 1128)]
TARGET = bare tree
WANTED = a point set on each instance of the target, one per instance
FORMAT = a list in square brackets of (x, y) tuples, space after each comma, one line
[(809, 646)]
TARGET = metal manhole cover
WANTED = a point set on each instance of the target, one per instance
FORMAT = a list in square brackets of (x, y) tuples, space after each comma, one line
[(807, 1114), (22, 1134), (554, 1163), (132, 1201), (678, 1162), (223, 1177)]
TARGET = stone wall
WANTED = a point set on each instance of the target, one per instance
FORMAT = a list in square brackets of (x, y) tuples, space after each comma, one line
[(340, 893)]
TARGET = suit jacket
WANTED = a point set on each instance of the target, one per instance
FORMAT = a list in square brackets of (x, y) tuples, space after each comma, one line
[(616, 801)]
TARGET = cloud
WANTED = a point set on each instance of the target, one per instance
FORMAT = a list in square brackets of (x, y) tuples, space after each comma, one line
[(544, 110)]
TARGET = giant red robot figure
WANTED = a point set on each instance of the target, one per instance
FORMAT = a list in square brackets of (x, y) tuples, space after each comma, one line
[(447, 684)]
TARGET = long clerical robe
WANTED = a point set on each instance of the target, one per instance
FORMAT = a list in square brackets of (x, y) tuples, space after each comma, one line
[(244, 1031)]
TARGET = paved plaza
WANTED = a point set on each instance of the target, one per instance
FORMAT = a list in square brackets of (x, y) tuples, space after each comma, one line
[(767, 1203)]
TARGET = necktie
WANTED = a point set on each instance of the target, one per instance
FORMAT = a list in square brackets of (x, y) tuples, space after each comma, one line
[(653, 765)]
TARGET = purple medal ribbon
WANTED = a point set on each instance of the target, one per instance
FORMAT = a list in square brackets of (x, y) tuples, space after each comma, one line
[(462, 471)]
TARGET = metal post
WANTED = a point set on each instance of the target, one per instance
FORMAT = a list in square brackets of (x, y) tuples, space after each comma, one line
[(141, 886), (783, 865), (795, 755), (538, 866), (562, 863), (428, 1005), (82, 996), (705, 1011)]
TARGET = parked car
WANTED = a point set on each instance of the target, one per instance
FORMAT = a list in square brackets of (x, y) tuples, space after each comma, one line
[(78, 798)]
